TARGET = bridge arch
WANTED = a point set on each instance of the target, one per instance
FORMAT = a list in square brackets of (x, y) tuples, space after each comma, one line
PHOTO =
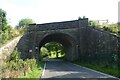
[(66, 40)]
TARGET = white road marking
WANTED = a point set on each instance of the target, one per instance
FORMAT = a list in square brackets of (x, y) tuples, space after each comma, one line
[(44, 69)]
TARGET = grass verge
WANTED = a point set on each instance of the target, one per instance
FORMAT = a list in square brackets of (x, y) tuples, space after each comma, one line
[(35, 73), (113, 72)]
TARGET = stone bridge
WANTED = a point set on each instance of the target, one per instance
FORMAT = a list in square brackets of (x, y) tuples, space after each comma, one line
[(76, 36)]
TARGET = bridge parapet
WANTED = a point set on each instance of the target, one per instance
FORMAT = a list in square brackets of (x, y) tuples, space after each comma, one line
[(58, 25)]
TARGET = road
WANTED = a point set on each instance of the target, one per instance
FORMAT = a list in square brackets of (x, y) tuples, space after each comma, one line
[(62, 70)]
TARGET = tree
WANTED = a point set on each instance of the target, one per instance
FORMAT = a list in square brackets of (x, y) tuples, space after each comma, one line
[(25, 22), (3, 20), (44, 52), (55, 47)]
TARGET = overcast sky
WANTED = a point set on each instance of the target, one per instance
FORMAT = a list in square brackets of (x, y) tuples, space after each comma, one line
[(45, 11)]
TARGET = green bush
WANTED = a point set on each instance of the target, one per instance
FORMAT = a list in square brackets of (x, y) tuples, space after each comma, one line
[(113, 28), (31, 63), (8, 35), (15, 56), (16, 64), (44, 52)]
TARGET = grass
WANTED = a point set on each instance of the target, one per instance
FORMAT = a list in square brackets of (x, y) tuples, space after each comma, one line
[(36, 72), (113, 72)]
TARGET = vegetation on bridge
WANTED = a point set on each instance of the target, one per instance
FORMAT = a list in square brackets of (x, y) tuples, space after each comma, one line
[(112, 28)]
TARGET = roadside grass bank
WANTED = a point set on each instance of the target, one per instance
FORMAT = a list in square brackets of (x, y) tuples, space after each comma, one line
[(35, 73), (8, 41), (113, 72), (15, 67)]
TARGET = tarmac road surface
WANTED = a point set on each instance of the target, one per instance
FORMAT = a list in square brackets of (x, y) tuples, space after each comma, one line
[(55, 69)]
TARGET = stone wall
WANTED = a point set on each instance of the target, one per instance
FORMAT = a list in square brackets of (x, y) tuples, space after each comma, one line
[(59, 25), (23, 46), (54, 26), (29, 41), (98, 46), (8, 48)]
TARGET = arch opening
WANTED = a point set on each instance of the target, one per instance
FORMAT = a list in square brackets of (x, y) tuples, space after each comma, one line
[(66, 42), (52, 50)]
